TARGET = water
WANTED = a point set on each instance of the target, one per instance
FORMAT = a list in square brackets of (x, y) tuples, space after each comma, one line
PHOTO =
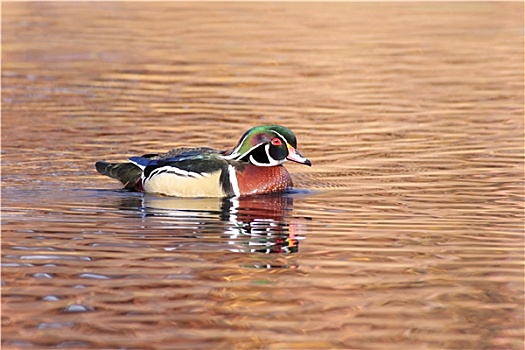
[(406, 233)]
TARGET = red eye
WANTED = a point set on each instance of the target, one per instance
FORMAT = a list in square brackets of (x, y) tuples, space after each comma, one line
[(276, 141)]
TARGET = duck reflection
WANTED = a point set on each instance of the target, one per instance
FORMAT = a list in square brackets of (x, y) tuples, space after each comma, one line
[(247, 224), (262, 222)]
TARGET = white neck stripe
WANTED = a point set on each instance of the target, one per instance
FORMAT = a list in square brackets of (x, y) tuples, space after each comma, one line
[(233, 180)]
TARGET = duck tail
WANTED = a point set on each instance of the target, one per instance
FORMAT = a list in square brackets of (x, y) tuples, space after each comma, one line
[(127, 173)]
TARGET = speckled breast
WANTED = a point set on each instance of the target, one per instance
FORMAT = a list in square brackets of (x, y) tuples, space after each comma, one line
[(259, 180)]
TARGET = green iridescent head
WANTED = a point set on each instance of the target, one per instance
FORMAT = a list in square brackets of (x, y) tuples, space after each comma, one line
[(267, 145)]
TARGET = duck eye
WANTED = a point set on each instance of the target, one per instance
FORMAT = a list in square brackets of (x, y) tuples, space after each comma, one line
[(276, 141)]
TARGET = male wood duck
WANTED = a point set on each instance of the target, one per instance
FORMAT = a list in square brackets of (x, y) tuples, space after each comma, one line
[(252, 167)]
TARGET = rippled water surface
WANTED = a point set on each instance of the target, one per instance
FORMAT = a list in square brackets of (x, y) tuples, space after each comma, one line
[(406, 233)]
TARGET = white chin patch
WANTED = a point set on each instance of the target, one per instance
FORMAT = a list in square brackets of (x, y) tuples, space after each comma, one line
[(272, 162)]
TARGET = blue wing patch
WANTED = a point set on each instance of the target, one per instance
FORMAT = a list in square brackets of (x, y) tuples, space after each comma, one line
[(143, 162), (140, 161)]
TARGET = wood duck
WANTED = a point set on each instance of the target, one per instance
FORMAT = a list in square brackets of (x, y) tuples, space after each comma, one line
[(252, 167)]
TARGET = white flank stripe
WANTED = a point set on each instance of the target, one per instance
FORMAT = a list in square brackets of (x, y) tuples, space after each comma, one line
[(233, 180), (174, 170)]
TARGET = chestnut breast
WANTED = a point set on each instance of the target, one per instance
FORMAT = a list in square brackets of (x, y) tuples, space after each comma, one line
[(261, 179)]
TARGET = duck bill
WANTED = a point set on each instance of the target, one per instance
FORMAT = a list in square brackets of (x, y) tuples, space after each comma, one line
[(295, 156)]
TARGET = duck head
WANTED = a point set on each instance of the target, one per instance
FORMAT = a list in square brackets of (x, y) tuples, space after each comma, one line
[(267, 145)]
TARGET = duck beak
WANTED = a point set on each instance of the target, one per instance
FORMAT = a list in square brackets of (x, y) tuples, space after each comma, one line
[(295, 156)]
